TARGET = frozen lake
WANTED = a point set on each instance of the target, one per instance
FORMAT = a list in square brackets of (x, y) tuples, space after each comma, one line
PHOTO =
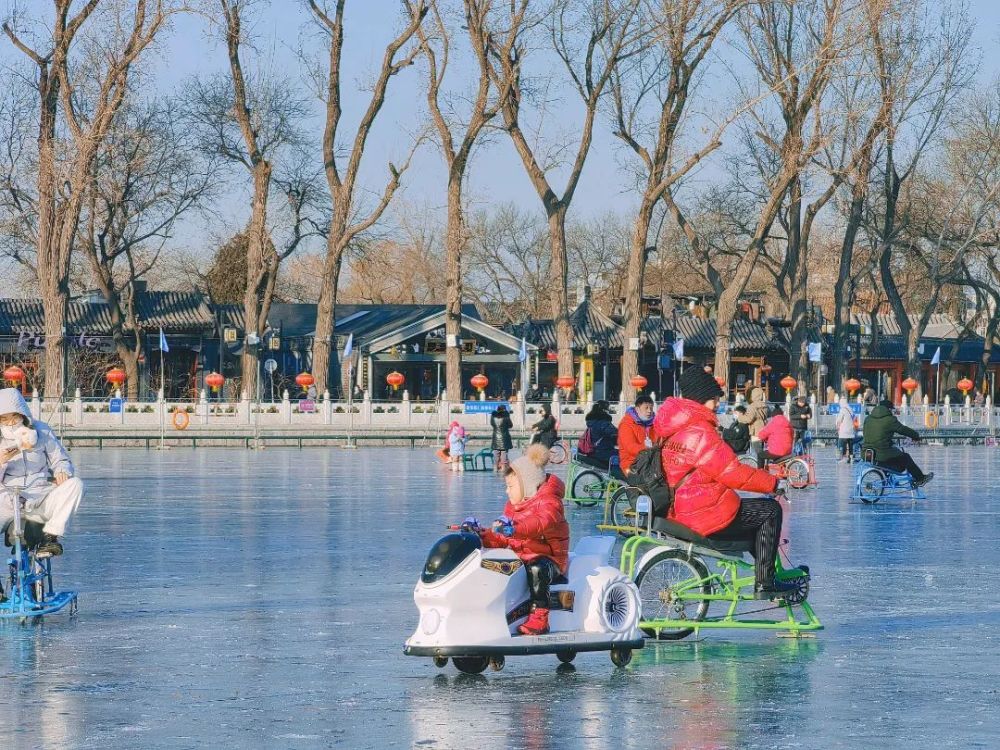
[(261, 599)]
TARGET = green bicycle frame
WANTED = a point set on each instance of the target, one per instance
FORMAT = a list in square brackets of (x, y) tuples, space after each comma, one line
[(726, 586)]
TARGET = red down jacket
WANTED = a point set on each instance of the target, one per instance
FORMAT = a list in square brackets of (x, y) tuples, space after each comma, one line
[(692, 448), (540, 528)]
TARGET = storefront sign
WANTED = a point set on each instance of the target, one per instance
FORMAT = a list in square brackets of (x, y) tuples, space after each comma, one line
[(484, 407), (115, 405), (34, 340)]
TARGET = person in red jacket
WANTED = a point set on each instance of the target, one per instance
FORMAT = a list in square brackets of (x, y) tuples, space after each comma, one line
[(534, 527), (778, 438), (705, 474), (635, 432)]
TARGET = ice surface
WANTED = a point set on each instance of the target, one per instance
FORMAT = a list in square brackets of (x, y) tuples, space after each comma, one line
[(261, 599)]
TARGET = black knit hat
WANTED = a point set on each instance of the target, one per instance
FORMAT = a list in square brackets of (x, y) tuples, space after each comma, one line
[(700, 386)]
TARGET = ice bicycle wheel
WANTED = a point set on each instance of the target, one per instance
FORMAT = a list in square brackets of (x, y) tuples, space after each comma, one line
[(668, 574), (797, 471), (871, 486), (588, 488)]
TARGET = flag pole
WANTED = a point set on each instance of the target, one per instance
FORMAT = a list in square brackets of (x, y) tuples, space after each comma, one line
[(163, 392)]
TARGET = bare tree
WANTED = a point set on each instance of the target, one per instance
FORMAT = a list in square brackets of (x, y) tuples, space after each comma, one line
[(591, 39), (146, 176), (794, 48), (457, 134), (926, 66), (85, 96), (342, 169), (661, 81)]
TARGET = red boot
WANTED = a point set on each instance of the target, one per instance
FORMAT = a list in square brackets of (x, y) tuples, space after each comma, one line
[(537, 623)]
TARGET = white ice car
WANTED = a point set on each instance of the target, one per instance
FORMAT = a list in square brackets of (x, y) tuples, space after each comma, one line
[(471, 601)]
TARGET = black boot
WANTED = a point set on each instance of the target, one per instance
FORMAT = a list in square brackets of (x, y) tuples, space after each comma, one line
[(775, 590), (50, 546)]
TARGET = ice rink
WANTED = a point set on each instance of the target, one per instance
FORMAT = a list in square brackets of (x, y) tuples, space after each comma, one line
[(261, 599)]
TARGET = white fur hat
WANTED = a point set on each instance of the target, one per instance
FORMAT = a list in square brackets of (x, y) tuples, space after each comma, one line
[(530, 468)]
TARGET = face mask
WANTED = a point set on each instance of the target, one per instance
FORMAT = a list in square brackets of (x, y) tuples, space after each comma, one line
[(9, 433)]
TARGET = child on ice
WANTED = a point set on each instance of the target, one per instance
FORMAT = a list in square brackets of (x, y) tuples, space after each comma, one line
[(534, 527), (456, 446)]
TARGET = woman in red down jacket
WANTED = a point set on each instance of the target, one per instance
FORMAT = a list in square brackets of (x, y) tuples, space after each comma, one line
[(705, 474), (534, 527)]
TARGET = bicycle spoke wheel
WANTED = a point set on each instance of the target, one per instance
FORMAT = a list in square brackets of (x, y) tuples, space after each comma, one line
[(587, 488), (798, 473), (871, 485), (668, 590), (622, 512), (557, 453)]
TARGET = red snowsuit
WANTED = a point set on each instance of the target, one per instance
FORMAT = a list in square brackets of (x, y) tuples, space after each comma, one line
[(694, 452), (540, 528)]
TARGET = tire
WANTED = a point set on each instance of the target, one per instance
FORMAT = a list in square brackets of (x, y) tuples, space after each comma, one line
[(566, 657), (871, 485), (557, 453), (470, 664), (797, 472), (621, 508), (621, 656), (656, 579), (588, 488), (748, 460), (440, 662)]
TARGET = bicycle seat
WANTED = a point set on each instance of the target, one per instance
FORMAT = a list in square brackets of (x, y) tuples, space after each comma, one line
[(683, 533)]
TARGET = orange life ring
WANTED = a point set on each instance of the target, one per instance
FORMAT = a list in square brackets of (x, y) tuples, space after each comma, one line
[(931, 420), (180, 419)]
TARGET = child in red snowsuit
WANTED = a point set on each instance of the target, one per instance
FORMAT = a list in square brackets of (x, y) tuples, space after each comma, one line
[(534, 527)]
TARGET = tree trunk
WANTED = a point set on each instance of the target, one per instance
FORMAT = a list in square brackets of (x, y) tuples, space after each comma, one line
[(54, 301), (559, 276), (454, 244), (257, 249), (798, 276), (841, 298), (325, 354), (633, 295), (130, 360)]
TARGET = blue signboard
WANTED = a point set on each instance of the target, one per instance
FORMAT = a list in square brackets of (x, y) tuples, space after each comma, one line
[(484, 407), (854, 407), (116, 405)]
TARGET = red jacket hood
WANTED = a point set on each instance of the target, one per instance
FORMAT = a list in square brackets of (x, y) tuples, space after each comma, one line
[(681, 413)]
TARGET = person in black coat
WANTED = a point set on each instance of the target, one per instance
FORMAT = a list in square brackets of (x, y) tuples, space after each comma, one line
[(799, 415), (545, 428), (603, 437), (500, 421)]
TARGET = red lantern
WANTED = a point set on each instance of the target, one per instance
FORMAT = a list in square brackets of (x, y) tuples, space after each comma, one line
[(214, 380), (565, 382), (788, 382), (852, 385), (395, 379), (13, 374), (304, 380), (638, 382), (965, 385), (479, 382), (115, 376), (910, 385)]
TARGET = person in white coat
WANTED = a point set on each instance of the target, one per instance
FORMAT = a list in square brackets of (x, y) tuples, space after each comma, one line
[(846, 432), (42, 474)]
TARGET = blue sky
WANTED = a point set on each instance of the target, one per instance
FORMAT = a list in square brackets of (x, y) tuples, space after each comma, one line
[(497, 174)]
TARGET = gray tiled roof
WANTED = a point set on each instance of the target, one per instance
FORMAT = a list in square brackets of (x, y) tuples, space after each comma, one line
[(178, 311), (590, 326), (699, 333)]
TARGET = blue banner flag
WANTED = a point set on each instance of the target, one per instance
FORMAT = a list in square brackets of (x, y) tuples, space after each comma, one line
[(163, 342), (816, 352), (349, 346), (679, 349), (936, 359), (522, 355)]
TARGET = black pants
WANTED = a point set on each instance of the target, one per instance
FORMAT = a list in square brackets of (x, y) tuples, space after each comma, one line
[(542, 571), (764, 455), (759, 521), (903, 463), (601, 464)]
